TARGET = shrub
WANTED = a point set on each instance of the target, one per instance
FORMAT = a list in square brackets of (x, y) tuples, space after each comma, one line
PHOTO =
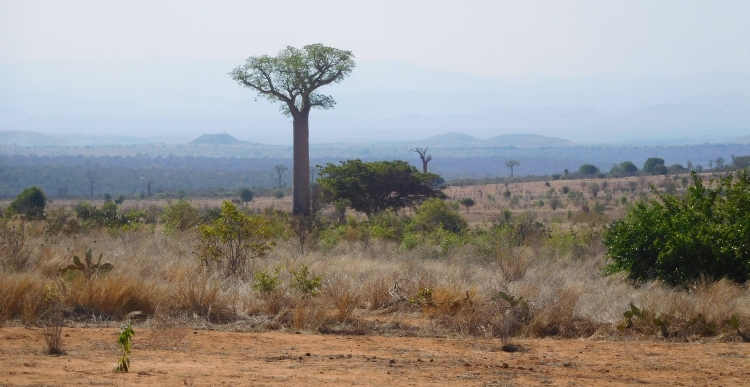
[(266, 282), (434, 214), (681, 239), (306, 283), (31, 202), (234, 238), (588, 169), (179, 216)]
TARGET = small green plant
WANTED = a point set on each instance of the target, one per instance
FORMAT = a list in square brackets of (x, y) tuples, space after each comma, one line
[(663, 321), (734, 322), (633, 312), (306, 283), (265, 281), (423, 297), (124, 340), (89, 268)]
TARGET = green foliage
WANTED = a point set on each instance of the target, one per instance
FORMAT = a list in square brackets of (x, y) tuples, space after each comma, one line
[(655, 166), (89, 268), (734, 322), (681, 239), (588, 169), (234, 238), (435, 214), (424, 297), (120, 199), (373, 187), (246, 195), (741, 161), (278, 194), (124, 342), (634, 312), (628, 168), (305, 282), (265, 281), (467, 202), (300, 71), (30, 202), (179, 216)]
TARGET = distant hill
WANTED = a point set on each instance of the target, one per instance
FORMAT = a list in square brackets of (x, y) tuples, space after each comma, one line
[(742, 140), (26, 138), (452, 138), (527, 140), (217, 139)]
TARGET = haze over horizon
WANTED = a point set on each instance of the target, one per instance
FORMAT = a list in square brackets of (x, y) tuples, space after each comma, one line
[(587, 71)]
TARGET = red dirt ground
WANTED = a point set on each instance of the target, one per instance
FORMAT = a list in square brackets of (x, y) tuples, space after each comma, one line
[(186, 357)]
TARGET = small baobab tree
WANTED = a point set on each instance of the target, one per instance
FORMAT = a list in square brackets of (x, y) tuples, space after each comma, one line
[(280, 169), (512, 163), (91, 176), (424, 156)]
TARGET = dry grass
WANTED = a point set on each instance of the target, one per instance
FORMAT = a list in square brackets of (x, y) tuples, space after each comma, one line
[(365, 286)]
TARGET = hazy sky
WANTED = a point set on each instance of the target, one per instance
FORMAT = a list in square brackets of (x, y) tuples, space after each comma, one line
[(489, 38)]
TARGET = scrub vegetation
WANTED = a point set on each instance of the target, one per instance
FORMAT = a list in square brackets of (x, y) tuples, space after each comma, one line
[(421, 271)]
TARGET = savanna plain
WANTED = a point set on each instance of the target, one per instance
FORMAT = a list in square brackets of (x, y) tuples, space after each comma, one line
[(514, 294)]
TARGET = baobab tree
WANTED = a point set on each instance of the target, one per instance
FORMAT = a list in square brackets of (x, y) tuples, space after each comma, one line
[(425, 158), (512, 163), (292, 78), (280, 169), (92, 180)]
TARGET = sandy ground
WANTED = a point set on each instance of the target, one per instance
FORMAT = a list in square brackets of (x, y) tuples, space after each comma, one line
[(186, 357)]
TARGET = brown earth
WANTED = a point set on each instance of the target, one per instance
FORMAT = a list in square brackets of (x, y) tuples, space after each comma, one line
[(187, 357)]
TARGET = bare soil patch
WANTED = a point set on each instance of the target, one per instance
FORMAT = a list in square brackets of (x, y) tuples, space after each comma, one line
[(187, 357)]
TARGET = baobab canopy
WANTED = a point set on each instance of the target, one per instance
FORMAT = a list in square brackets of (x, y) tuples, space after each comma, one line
[(294, 74), (292, 78)]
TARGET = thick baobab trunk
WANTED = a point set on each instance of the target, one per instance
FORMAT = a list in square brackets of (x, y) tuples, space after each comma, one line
[(301, 168)]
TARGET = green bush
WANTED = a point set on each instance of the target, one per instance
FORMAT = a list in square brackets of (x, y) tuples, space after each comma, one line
[(434, 214), (306, 283), (31, 202), (678, 240), (265, 281), (234, 238), (179, 216)]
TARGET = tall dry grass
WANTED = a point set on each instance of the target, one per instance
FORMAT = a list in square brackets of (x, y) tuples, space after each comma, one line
[(370, 286)]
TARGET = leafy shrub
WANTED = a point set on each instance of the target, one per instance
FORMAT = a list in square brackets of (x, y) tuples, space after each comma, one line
[(265, 281), (30, 202), (233, 239), (179, 216), (305, 282), (681, 239), (435, 213)]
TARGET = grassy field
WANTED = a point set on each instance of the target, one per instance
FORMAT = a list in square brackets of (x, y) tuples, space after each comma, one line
[(550, 281)]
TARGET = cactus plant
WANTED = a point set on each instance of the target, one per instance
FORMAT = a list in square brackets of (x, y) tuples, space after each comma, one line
[(89, 268)]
